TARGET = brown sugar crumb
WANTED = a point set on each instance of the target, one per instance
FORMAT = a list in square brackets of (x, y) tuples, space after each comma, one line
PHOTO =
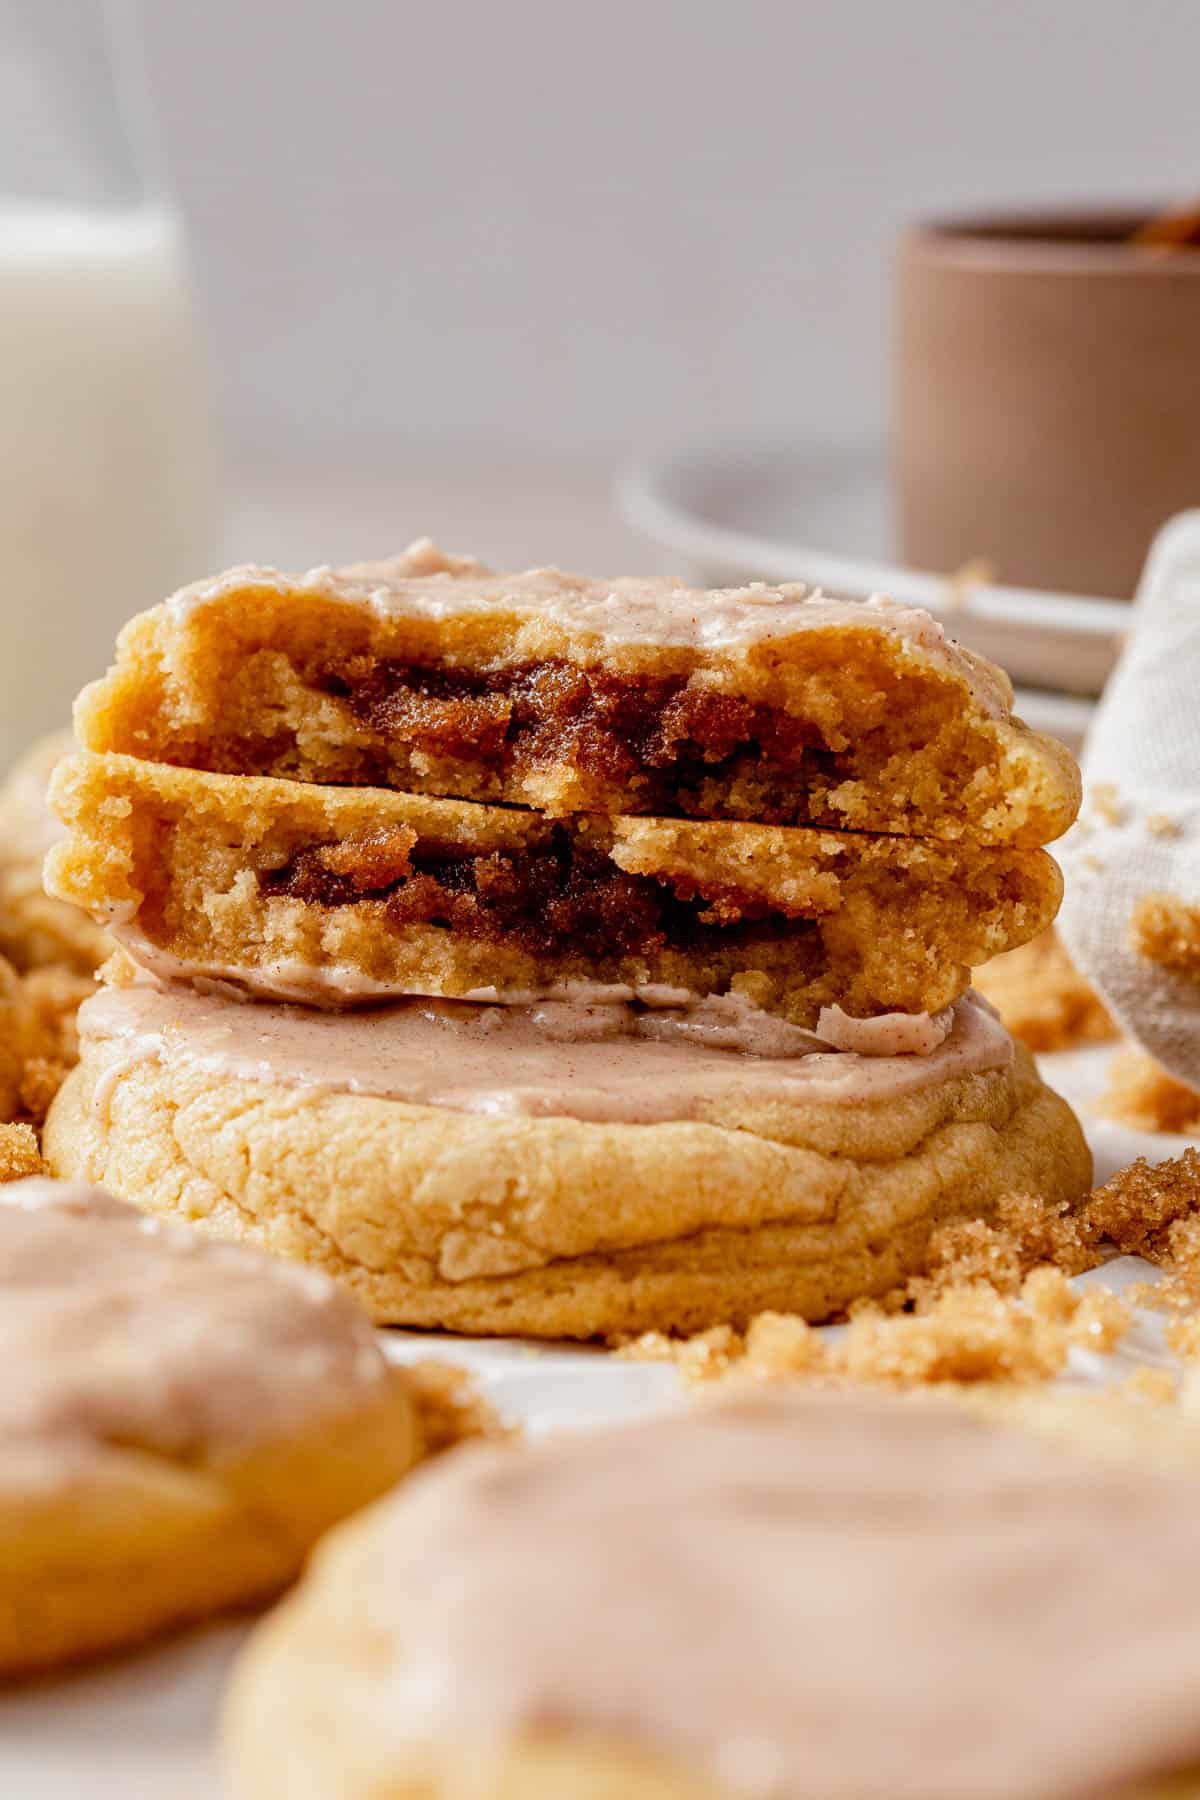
[(994, 1303), (451, 1409), (1137, 1208), (780, 1341), (1144, 1096), (1042, 998), (1159, 1387), (1183, 1336), (968, 1333), (1166, 930), (1106, 802), (1000, 1253), (19, 1153), (1100, 1320)]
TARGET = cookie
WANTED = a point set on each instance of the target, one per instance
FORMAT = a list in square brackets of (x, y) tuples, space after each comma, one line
[(793, 1594), (429, 674), (179, 1422), (332, 895), (37, 931), (463, 1167)]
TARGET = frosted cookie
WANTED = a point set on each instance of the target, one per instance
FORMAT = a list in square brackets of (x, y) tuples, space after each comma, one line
[(561, 1171), (336, 895), (429, 674), (179, 1422), (841, 1596), (37, 931)]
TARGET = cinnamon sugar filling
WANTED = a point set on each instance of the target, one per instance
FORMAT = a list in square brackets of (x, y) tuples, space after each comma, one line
[(667, 743), (555, 896)]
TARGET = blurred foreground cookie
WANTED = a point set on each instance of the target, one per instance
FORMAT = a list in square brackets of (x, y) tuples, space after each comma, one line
[(179, 1422), (793, 1597), (430, 674), (489, 1169), (332, 895), (36, 930)]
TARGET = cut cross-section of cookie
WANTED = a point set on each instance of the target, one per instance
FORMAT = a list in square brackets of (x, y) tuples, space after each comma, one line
[(180, 1421), (429, 674), (468, 1167), (340, 895)]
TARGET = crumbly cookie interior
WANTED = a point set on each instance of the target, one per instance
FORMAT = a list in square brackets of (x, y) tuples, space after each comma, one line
[(380, 893), (667, 744)]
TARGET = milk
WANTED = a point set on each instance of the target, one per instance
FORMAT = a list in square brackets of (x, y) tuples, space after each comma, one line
[(105, 475)]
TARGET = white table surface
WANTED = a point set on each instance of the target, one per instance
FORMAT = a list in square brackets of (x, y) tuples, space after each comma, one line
[(143, 1727)]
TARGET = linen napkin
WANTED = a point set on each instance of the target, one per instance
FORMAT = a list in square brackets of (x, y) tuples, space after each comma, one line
[(1139, 831)]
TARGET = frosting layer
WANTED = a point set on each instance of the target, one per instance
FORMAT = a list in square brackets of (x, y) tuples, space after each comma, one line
[(121, 1329), (656, 610), (607, 1062)]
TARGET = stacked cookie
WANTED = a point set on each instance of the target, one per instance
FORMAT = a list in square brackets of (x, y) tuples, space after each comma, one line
[(609, 943)]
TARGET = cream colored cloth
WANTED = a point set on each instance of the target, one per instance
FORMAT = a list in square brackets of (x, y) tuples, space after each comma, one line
[(1139, 832)]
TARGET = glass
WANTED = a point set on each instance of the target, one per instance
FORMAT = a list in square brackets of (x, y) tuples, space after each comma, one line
[(106, 498)]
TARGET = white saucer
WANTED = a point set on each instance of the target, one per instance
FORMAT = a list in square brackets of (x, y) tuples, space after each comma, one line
[(818, 513)]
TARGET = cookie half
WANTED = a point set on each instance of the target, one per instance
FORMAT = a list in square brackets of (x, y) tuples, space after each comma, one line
[(472, 1172), (338, 895), (841, 1595), (180, 1421), (429, 674)]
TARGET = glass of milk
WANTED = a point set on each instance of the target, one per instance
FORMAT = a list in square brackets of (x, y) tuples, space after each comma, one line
[(106, 495)]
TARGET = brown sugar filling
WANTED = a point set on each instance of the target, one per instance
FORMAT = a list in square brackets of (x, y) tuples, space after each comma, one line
[(547, 898), (655, 736)]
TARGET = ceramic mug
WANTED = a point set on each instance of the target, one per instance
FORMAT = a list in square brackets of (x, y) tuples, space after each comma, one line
[(1046, 397)]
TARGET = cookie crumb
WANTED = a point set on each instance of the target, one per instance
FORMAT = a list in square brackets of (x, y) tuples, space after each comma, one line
[(1144, 1096), (451, 1409), (1166, 930), (19, 1153), (1163, 825)]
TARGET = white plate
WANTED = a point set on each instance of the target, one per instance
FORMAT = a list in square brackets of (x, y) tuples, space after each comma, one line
[(819, 514), (144, 1726)]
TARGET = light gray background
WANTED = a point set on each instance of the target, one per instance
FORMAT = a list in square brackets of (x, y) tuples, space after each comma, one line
[(541, 224)]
